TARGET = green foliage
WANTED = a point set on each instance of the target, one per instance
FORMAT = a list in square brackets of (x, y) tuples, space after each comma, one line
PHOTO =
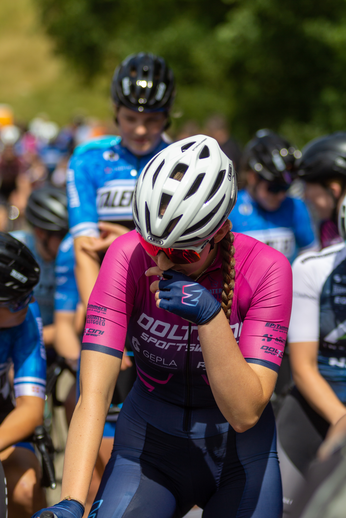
[(264, 63)]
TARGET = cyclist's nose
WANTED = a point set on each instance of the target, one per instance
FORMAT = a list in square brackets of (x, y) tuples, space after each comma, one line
[(141, 129), (163, 262)]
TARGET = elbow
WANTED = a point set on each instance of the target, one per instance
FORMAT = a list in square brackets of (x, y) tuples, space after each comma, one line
[(244, 421), (242, 426)]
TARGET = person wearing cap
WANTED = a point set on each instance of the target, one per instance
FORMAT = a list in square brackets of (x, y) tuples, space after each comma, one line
[(264, 209)]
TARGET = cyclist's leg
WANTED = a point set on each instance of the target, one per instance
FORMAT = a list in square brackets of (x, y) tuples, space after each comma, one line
[(250, 484), (23, 474), (126, 492), (300, 433)]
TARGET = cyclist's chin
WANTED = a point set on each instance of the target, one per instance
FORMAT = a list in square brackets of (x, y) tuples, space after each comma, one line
[(141, 148), (8, 319)]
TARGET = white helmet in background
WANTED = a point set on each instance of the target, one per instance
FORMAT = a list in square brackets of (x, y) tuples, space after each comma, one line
[(185, 194)]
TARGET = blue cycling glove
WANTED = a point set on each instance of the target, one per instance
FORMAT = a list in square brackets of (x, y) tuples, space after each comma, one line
[(188, 299), (64, 509)]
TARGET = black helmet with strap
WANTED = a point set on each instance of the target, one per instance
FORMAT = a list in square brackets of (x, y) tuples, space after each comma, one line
[(47, 209), (144, 83), (324, 158), (19, 271), (271, 156)]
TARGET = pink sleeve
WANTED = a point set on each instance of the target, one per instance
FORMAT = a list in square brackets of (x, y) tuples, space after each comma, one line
[(264, 331), (112, 299)]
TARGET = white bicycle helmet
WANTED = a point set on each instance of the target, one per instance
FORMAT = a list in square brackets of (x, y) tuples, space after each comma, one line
[(185, 194)]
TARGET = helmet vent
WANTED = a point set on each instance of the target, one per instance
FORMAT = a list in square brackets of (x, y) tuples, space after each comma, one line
[(165, 199), (147, 219), (195, 185), (147, 167), (171, 226), (186, 146), (205, 152), (155, 175), (216, 185), (205, 220), (179, 171)]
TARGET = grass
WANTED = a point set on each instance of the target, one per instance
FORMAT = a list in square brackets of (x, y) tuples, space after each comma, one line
[(34, 79)]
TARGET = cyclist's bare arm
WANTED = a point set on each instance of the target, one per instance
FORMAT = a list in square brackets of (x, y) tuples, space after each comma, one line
[(67, 343), (87, 267), (22, 421), (242, 390), (315, 389), (99, 373)]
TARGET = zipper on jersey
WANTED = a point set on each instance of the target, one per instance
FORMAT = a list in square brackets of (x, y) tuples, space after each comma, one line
[(187, 412)]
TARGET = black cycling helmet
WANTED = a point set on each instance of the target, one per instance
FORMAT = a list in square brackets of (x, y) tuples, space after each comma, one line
[(143, 82), (19, 271), (47, 209), (271, 157), (324, 158)]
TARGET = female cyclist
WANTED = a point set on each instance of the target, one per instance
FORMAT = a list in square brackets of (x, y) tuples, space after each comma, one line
[(317, 344), (197, 426)]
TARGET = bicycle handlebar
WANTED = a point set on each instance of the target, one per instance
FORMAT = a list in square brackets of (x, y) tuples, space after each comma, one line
[(44, 444)]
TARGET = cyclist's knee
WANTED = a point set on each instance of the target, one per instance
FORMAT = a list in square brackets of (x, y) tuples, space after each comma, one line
[(23, 474)]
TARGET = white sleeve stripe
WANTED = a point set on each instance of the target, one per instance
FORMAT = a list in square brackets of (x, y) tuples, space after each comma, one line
[(30, 390), (30, 379)]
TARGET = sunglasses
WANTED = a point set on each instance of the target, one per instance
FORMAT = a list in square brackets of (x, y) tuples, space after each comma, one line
[(275, 188), (17, 305), (175, 255)]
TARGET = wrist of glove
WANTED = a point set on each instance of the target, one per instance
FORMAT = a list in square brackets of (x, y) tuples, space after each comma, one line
[(188, 299), (64, 509)]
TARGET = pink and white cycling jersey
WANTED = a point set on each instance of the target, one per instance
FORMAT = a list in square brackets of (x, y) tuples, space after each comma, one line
[(166, 347)]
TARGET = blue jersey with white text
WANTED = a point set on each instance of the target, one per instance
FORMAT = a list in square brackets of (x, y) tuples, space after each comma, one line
[(22, 346), (100, 182), (288, 229)]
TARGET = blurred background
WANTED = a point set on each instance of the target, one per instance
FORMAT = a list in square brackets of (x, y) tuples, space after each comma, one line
[(260, 63)]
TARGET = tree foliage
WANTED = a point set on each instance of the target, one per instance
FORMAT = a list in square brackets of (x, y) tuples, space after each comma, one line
[(264, 63)]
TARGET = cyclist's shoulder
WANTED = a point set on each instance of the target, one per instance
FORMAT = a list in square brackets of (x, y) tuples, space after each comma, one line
[(96, 145), (327, 258), (293, 203), (256, 255)]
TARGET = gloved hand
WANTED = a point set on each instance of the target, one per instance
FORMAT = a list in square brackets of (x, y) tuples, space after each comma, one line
[(63, 509), (188, 299)]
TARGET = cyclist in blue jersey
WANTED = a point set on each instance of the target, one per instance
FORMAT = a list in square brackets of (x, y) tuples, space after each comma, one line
[(46, 212), (322, 168), (21, 402), (103, 172), (264, 210), (317, 343)]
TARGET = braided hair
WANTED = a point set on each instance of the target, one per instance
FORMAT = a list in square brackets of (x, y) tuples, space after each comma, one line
[(228, 272)]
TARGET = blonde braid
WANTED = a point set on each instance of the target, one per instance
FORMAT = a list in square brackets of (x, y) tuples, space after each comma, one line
[(228, 272)]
